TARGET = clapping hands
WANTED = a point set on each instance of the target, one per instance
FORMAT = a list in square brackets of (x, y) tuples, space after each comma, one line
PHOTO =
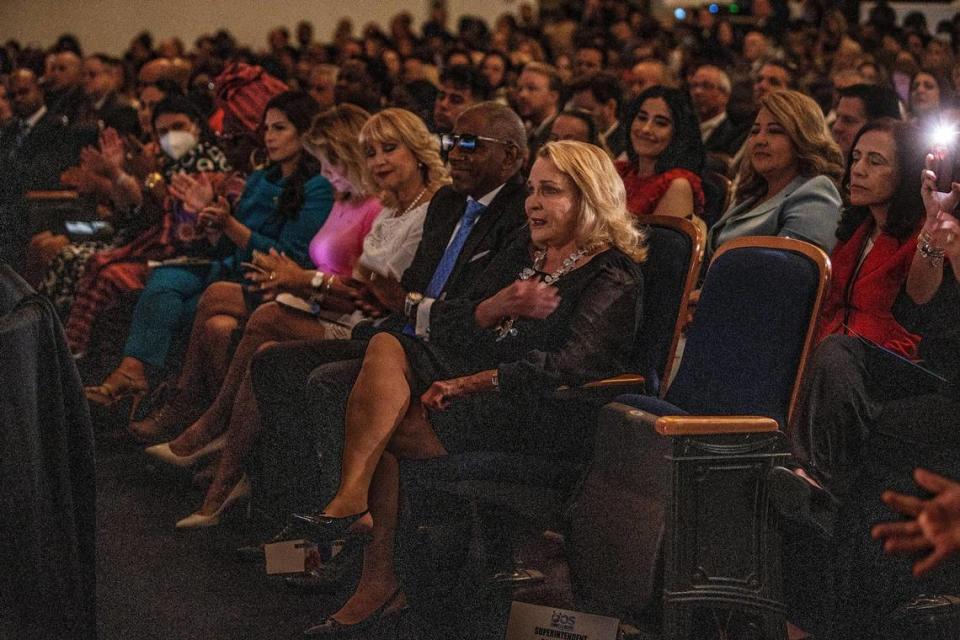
[(195, 192)]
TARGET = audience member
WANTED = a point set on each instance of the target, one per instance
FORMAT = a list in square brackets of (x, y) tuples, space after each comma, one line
[(452, 399), (34, 150), (710, 92), (281, 207), (574, 124), (63, 85), (788, 177), (99, 276), (646, 74), (539, 89), (665, 155), (461, 87), (485, 152), (396, 143), (928, 94), (102, 107), (773, 75), (602, 95), (589, 59), (877, 238), (858, 105)]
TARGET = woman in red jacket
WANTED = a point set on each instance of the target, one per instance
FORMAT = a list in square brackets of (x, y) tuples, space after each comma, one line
[(877, 236)]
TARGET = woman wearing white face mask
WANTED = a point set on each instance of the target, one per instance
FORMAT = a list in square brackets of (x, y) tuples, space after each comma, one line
[(281, 208), (159, 220)]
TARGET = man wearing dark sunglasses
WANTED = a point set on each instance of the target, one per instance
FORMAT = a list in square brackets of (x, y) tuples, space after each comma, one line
[(304, 386)]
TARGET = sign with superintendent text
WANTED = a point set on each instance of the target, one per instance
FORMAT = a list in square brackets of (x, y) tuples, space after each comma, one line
[(535, 622)]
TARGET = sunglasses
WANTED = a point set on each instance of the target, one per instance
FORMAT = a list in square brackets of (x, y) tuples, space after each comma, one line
[(465, 142)]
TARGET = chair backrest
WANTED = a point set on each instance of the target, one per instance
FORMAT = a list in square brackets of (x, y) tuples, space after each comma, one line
[(748, 343), (675, 251)]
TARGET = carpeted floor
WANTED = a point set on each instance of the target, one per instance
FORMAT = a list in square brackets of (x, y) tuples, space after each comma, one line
[(155, 582)]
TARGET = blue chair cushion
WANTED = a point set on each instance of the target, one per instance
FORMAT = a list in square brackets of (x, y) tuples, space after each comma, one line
[(651, 405)]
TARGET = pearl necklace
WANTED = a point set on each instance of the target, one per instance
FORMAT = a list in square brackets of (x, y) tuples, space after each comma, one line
[(414, 203), (506, 328)]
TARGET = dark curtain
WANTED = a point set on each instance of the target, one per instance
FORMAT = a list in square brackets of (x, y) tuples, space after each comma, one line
[(47, 478)]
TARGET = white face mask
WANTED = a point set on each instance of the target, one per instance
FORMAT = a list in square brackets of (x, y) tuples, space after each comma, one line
[(176, 143), (339, 181)]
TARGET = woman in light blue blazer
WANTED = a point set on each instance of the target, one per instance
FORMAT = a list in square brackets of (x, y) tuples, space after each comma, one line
[(789, 177)]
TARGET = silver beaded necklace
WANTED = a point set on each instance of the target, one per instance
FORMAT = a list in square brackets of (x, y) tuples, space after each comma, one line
[(506, 328)]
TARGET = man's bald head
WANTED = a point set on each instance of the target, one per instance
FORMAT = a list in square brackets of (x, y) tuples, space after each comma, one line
[(502, 122), (156, 70)]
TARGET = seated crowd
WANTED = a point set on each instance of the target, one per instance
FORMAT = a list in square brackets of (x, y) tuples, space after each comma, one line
[(396, 246)]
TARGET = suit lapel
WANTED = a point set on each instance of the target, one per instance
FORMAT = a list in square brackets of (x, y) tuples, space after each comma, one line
[(487, 221)]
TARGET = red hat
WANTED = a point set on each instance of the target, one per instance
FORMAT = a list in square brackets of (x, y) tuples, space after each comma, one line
[(244, 91)]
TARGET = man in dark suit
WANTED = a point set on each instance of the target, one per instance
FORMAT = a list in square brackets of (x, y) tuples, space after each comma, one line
[(34, 150), (102, 108), (601, 95), (63, 85), (302, 389), (710, 92)]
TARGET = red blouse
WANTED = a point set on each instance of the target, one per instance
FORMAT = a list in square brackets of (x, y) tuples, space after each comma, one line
[(643, 194), (866, 307)]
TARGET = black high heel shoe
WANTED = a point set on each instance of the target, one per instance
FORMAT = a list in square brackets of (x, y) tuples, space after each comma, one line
[(330, 628), (326, 528)]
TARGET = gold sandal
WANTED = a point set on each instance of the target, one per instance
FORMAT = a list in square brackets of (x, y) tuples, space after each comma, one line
[(117, 387)]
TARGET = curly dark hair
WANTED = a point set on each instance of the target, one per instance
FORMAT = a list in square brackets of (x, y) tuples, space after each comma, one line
[(906, 207), (685, 150)]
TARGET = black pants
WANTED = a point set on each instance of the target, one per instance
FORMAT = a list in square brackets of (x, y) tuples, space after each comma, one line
[(846, 386), (302, 389)]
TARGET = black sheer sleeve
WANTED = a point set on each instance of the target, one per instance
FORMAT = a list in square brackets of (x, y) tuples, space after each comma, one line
[(603, 327), (452, 322)]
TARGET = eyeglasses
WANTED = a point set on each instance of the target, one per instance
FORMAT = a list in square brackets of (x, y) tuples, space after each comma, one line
[(465, 142)]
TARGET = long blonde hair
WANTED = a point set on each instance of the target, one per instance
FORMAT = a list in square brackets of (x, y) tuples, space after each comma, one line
[(333, 136), (403, 127), (602, 217), (817, 153)]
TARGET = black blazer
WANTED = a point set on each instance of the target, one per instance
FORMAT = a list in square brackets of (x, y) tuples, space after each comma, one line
[(114, 113), (493, 231), (727, 138), (617, 141), (50, 147)]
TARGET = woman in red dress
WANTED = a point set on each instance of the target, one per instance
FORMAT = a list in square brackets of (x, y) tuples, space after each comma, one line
[(666, 155)]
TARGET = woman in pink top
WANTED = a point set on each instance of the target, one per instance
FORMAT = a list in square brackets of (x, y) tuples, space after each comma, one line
[(360, 251)]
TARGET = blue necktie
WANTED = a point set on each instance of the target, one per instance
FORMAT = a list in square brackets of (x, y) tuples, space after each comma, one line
[(449, 259)]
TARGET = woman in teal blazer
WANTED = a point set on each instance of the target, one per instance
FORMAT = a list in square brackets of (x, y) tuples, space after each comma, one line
[(281, 207)]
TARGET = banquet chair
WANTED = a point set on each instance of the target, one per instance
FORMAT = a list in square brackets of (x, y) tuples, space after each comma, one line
[(717, 431)]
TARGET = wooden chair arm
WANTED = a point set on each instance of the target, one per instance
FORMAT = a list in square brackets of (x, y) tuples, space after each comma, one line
[(713, 425), (608, 387), (624, 380), (51, 196)]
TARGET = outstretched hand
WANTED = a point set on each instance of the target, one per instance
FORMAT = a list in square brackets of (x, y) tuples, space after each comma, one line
[(934, 524)]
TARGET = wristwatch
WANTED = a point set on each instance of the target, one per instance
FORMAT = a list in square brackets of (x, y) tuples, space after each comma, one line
[(410, 304), (317, 281)]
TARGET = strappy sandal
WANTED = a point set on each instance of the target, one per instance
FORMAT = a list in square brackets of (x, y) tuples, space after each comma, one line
[(117, 387)]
